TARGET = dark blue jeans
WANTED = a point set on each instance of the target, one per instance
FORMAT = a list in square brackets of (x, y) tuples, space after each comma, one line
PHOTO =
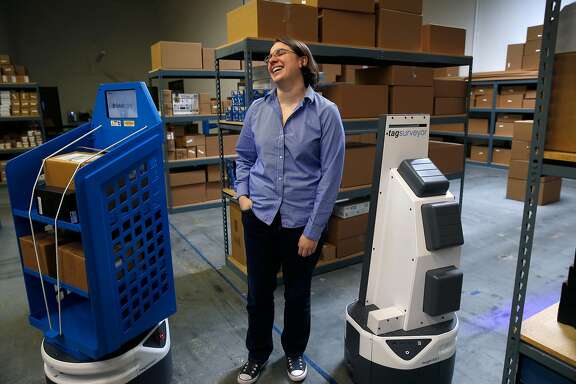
[(269, 248)]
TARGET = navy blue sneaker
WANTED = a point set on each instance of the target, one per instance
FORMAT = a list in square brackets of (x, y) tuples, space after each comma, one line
[(250, 372), (296, 368)]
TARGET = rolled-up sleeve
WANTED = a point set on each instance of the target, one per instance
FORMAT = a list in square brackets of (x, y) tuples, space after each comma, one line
[(246, 149), (332, 163)]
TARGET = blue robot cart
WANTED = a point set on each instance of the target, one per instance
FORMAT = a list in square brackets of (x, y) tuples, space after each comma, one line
[(123, 224)]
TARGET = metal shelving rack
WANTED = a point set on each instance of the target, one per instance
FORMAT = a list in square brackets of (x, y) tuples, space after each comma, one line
[(540, 164), (250, 49), (162, 76), (490, 137), (23, 119)]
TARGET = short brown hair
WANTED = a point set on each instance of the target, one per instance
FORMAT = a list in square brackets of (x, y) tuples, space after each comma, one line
[(309, 71)]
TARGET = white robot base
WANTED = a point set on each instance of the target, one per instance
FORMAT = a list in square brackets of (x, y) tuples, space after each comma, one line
[(424, 355), (147, 359)]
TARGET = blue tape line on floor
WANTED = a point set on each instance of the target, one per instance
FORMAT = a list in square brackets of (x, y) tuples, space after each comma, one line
[(276, 329)]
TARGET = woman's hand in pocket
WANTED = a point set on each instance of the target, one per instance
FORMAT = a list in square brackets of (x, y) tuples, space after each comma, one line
[(245, 203)]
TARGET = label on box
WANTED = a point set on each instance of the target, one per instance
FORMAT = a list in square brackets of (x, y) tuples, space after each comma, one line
[(351, 210), (129, 123), (116, 123)]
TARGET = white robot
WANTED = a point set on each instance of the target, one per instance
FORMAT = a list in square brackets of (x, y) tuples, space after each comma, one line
[(403, 327)]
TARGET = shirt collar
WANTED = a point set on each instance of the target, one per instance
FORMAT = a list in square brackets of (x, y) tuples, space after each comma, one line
[(272, 95)]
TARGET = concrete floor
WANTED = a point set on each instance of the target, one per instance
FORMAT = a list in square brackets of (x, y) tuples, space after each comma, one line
[(208, 329)]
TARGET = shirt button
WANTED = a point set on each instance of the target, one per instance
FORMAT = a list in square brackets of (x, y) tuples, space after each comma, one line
[(280, 178), (280, 156)]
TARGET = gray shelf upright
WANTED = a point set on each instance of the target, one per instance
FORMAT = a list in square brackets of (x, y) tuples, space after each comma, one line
[(162, 76), (538, 167), (251, 49)]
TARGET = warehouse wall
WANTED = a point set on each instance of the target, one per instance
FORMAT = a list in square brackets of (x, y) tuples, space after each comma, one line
[(105, 41), (6, 46)]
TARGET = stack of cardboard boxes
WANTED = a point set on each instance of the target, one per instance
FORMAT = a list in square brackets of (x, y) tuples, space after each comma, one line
[(172, 55), (525, 56), (550, 186), (516, 96), (449, 97), (358, 17), (199, 185), (71, 259), (12, 73), (482, 97), (561, 132), (448, 157), (32, 138), (392, 24), (19, 103), (181, 145), (3, 179)]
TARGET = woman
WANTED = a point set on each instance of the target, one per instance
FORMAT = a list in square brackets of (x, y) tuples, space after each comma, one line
[(289, 168)]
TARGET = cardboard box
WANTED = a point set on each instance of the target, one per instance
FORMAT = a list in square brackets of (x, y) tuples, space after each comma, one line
[(350, 246), (405, 99), (365, 6), (560, 134), (449, 88), (229, 142), (189, 141), (448, 157), (479, 153), (4, 59), (507, 118), (518, 169), (208, 59), (232, 65), (532, 47), (358, 165), (531, 62), (187, 194), (20, 70), (445, 40), (213, 173), (237, 234), (58, 170), (358, 101), (534, 33), (191, 153), (482, 90), (501, 156), (513, 90), (447, 72), (398, 30), (520, 150), (366, 138), (328, 252), (213, 191), (456, 127), (360, 28), (351, 208), (514, 56), (330, 72), (45, 245), (481, 101), (339, 229), (178, 179), (396, 75), (504, 129), (529, 103), (348, 74), (449, 106), (549, 191), (181, 153), (530, 94), (73, 265), (200, 151), (212, 146), (266, 19), (410, 6), (478, 126), (510, 101), (176, 55)]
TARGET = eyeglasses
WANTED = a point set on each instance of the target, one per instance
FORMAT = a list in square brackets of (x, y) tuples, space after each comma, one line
[(277, 53)]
